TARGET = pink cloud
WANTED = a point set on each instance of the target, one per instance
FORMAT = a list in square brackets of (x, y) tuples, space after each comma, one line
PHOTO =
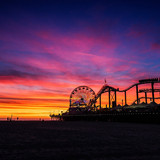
[(155, 46)]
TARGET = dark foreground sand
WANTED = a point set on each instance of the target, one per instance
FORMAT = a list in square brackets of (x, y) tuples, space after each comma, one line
[(79, 140)]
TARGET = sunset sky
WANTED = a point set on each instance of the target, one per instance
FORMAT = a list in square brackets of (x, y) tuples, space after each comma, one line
[(47, 48)]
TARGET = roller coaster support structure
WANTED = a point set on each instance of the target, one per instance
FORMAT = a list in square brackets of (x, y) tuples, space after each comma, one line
[(125, 94), (137, 93), (100, 100), (152, 85), (112, 92)]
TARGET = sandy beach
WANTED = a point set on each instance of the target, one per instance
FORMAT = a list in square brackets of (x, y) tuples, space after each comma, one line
[(79, 140)]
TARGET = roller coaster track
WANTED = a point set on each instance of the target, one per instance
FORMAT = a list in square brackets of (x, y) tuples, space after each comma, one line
[(136, 85), (102, 90), (144, 97), (105, 87)]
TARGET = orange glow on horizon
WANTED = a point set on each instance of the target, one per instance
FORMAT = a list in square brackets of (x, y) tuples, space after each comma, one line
[(36, 105)]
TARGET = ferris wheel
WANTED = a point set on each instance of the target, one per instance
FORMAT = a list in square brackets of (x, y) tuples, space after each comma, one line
[(81, 96)]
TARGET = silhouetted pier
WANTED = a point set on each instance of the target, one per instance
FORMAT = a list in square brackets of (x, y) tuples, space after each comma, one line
[(83, 108)]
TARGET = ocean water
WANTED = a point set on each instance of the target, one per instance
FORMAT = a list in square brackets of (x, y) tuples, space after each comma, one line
[(79, 140)]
